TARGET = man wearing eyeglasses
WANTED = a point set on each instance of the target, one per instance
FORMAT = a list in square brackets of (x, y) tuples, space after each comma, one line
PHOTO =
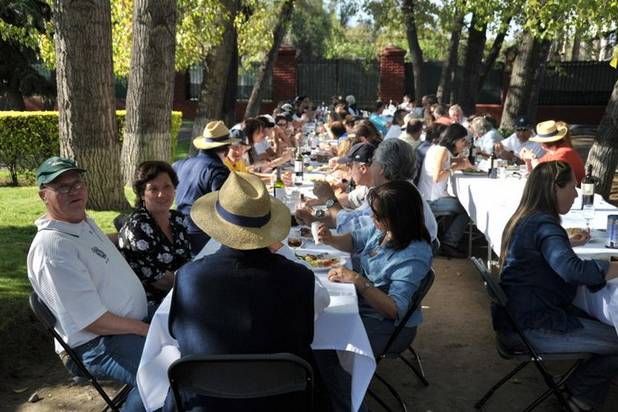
[(97, 299), (511, 147)]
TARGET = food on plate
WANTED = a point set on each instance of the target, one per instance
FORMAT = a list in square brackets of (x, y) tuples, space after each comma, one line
[(473, 171), (305, 232), (320, 260), (294, 242), (576, 231)]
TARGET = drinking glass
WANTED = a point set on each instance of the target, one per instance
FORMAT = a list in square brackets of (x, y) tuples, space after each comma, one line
[(588, 213)]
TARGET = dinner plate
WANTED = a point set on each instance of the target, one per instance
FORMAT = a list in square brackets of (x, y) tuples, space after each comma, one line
[(322, 261)]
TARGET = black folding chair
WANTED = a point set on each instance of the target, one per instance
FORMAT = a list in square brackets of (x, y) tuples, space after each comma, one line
[(242, 377), (528, 354), (120, 220), (47, 318), (416, 301)]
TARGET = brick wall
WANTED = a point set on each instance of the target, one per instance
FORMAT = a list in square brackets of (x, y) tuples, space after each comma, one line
[(285, 75), (392, 74)]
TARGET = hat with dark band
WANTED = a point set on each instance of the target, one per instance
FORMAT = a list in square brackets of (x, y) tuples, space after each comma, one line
[(215, 134), (549, 131)]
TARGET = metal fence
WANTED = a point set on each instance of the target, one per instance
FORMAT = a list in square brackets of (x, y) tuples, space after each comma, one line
[(244, 87), (322, 79), (578, 83)]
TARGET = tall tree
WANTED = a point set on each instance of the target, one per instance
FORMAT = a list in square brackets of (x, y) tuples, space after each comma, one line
[(265, 71), (603, 155), (416, 53), (472, 64), (87, 125), (447, 77), (216, 67), (151, 85), (528, 70), (494, 52)]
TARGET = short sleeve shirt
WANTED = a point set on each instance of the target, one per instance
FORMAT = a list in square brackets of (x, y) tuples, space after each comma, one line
[(149, 252), (397, 273), (513, 144), (79, 274)]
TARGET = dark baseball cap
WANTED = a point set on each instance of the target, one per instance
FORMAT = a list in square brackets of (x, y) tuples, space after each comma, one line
[(360, 152), (54, 167), (522, 123)]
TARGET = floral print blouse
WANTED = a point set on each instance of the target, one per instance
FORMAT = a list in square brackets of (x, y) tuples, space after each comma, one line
[(149, 252)]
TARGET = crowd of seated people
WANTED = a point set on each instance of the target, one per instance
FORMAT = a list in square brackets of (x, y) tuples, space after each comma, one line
[(391, 172)]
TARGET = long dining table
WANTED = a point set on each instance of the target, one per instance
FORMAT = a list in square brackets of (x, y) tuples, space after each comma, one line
[(491, 202), (338, 327)]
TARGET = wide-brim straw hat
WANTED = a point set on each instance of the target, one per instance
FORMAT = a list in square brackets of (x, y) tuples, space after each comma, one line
[(549, 131), (242, 215), (215, 134)]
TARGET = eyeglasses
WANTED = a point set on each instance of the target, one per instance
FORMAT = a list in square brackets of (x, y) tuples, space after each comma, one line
[(69, 187), (521, 129), (282, 124)]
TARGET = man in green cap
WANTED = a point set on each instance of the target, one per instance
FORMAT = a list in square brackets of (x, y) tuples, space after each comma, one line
[(97, 299)]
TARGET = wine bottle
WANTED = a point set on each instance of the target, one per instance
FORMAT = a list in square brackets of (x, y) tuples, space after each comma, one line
[(279, 187), (492, 172), (588, 188), (298, 168), (472, 155)]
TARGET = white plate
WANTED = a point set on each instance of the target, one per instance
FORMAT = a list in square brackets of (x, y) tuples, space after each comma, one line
[(339, 261)]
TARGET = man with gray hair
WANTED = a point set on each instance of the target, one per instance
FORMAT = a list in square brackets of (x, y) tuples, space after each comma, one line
[(485, 135), (392, 160)]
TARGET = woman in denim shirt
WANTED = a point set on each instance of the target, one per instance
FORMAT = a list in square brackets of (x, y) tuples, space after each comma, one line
[(395, 255), (540, 276)]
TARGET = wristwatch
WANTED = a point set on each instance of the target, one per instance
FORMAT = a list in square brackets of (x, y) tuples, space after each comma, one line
[(330, 203)]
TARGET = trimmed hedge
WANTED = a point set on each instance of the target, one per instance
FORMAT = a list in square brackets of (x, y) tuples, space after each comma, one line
[(28, 138)]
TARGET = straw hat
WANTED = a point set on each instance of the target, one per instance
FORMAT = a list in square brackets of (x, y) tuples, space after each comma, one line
[(549, 131), (215, 135), (242, 215)]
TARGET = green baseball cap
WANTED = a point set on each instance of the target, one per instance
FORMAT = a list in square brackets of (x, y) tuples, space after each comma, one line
[(54, 167)]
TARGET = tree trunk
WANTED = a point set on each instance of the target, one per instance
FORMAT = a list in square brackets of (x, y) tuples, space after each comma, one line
[(528, 71), (604, 152), (470, 82), (416, 53), (577, 42), (151, 85), (447, 77), (231, 87), (87, 122), (494, 52), (255, 101), (216, 71)]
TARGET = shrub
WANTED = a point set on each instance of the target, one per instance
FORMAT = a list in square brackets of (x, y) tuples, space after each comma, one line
[(28, 138)]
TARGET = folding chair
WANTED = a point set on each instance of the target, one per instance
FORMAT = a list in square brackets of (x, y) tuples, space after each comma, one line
[(47, 318), (242, 377), (119, 221), (528, 353), (416, 301)]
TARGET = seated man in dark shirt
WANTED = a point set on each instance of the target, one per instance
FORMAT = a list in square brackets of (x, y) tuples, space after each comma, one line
[(200, 174), (242, 299)]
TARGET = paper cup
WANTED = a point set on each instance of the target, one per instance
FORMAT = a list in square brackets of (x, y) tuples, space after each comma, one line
[(314, 231)]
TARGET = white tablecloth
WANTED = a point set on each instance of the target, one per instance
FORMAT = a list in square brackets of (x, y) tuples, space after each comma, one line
[(490, 203), (339, 327)]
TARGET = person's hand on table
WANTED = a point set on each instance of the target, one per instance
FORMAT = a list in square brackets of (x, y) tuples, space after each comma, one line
[(313, 202), (580, 238), (324, 234), (287, 178), (343, 275), (323, 190), (526, 154), (305, 216)]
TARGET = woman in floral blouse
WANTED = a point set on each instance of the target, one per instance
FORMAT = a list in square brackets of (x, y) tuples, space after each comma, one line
[(154, 239)]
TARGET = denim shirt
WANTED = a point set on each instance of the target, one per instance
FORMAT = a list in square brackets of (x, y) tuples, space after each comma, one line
[(398, 273), (541, 274)]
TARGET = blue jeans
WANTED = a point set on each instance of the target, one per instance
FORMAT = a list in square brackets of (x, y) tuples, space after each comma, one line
[(380, 331), (113, 357), (451, 206), (590, 381)]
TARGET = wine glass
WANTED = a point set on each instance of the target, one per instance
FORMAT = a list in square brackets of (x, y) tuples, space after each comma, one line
[(588, 213)]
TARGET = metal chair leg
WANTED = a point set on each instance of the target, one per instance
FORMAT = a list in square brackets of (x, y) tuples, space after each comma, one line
[(379, 400), (119, 398), (419, 372), (392, 391), (490, 392)]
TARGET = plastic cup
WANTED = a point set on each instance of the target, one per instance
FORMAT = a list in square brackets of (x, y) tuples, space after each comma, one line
[(314, 231)]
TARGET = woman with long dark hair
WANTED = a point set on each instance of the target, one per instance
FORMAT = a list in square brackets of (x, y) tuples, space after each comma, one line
[(540, 276), (395, 256), (440, 162)]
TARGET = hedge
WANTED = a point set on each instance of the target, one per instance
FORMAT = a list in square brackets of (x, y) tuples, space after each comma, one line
[(28, 138)]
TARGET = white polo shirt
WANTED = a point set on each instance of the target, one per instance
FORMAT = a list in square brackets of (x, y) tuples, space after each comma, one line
[(79, 274), (513, 144)]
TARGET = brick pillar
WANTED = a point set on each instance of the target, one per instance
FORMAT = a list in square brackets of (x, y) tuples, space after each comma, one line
[(285, 75), (392, 74)]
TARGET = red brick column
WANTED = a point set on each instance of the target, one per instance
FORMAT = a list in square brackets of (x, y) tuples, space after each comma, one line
[(285, 75), (392, 74)]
